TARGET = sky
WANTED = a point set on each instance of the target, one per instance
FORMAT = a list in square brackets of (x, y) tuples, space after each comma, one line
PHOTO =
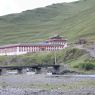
[(17, 6)]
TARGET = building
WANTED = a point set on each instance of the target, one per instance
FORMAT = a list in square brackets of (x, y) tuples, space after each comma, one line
[(52, 44)]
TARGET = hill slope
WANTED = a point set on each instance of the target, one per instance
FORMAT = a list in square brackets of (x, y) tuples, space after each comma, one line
[(72, 20)]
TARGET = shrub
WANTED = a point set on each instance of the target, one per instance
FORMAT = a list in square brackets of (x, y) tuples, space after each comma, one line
[(85, 66), (73, 54)]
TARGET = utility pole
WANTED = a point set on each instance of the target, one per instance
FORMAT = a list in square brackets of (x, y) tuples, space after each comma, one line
[(55, 59)]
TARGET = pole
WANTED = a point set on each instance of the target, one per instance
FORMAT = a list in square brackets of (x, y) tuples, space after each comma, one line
[(55, 56)]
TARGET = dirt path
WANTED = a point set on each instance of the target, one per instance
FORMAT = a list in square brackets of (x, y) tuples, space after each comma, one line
[(90, 50)]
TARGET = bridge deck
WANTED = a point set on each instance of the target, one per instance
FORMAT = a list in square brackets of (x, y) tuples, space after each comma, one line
[(31, 66)]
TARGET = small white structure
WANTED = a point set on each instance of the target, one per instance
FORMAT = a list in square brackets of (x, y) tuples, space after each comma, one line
[(12, 72), (49, 73), (30, 73)]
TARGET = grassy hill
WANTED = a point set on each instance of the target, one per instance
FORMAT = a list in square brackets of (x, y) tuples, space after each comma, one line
[(72, 20)]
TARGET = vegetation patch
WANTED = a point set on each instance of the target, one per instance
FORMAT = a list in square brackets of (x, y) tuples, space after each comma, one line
[(73, 54), (88, 64), (72, 57)]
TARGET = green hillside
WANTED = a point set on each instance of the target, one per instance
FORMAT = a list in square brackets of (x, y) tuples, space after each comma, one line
[(72, 20)]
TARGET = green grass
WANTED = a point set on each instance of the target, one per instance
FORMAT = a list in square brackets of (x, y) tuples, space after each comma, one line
[(73, 21), (66, 86)]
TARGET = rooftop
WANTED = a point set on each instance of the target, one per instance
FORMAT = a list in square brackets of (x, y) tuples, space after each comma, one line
[(28, 44)]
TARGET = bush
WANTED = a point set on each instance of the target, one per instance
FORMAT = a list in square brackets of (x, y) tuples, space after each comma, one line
[(73, 54), (85, 66)]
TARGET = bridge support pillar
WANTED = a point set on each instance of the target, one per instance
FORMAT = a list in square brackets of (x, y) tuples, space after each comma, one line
[(0, 72), (3, 71), (56, 69), (38, 70), (20, 71)]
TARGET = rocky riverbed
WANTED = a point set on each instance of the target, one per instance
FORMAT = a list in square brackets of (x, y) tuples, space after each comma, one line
[(46, 85), (15, 91)]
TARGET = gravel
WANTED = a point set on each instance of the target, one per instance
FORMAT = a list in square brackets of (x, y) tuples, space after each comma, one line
[(15, 91), (13, 85)]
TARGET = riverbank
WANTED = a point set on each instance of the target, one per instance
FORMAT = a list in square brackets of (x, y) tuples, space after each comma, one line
[(47, 85), (15, 91)]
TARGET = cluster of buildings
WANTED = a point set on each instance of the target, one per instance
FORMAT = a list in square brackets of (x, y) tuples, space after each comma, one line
[(52, 44)]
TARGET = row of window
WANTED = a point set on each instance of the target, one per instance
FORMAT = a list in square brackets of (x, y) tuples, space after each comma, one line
[(32, 49), (29, 49)]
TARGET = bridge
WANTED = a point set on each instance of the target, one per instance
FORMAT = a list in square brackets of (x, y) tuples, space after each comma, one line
[(37, 68)]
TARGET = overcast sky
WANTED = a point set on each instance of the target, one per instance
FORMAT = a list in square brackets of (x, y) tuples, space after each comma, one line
[(16, 6)]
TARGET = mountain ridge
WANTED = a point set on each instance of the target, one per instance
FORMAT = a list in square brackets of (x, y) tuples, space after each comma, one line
[(72, 20)]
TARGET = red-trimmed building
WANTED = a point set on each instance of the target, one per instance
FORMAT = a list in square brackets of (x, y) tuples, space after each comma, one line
[(52, 44)]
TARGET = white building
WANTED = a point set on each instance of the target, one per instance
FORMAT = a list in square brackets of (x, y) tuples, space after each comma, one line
[(52, 44)]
